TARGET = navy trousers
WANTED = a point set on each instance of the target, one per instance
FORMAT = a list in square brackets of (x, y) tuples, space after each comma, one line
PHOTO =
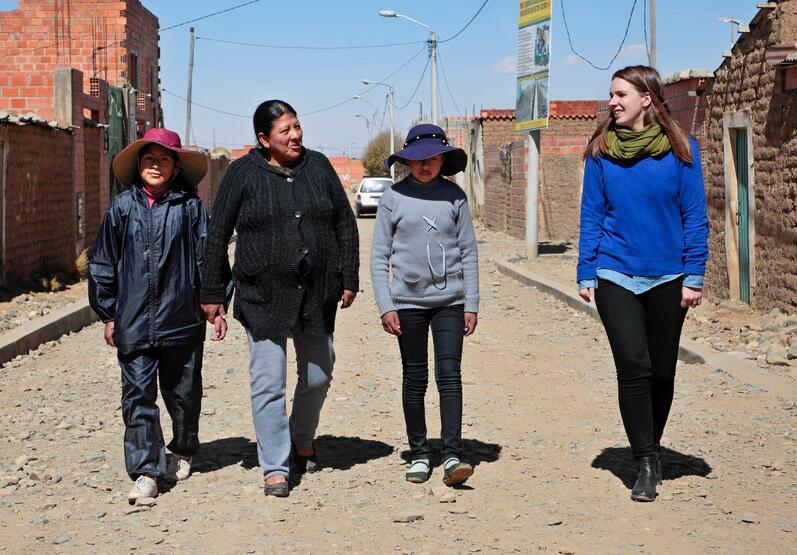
[(179, 370)]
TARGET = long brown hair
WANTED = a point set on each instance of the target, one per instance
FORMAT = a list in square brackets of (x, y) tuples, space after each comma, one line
[(645, 79)]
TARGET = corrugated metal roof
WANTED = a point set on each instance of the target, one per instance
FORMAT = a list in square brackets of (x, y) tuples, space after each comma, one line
[(32, 119)]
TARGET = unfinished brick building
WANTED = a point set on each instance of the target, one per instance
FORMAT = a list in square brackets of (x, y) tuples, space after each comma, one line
[(750, 163), (115, 41), (90, 69)]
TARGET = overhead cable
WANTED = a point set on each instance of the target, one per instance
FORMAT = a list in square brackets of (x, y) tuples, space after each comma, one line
[(284, 47), (207, 16), (445, 79), (418, 86), (622, 42), (466, 25)]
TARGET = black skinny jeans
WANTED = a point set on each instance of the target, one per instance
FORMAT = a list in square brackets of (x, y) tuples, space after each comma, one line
[(447, 324), (644, 331), (179, 370)]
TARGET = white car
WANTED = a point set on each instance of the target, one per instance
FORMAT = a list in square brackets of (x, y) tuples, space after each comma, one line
[(368, 194)]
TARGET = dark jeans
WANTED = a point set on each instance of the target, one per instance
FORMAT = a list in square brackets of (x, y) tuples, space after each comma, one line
[(644, 331), (179, 369), (447, 324)]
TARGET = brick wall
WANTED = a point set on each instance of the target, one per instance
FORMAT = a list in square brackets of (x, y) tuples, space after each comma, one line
[(350, 170), (746, 83), (687, 103), (93, 202), (561, 170), (39, 199), (101, 38)]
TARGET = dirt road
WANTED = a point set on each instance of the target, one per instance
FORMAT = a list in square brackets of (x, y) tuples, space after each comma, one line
[(541, 425)]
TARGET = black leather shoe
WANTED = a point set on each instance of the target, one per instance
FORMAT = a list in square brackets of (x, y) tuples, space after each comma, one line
[(645, 487), (659, 475)]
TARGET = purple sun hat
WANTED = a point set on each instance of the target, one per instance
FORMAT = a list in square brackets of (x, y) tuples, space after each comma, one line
[(427, 140)]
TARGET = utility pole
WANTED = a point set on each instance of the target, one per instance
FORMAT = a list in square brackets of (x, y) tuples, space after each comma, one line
[(433, 55), (392, 96), (188, 95), (653, 33), (532, 194)]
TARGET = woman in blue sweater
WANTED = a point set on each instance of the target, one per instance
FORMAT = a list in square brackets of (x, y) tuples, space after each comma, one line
[(642, 252)]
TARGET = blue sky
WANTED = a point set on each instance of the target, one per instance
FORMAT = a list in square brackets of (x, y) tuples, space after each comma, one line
[(478, 64)]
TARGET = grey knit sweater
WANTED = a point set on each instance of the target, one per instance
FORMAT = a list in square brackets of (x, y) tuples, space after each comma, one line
[(425, 232)]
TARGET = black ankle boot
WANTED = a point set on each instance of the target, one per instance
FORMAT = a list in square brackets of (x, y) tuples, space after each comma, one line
[(645, 487)]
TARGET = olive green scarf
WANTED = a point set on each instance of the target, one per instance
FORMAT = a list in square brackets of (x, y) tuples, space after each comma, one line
[(627, 144)]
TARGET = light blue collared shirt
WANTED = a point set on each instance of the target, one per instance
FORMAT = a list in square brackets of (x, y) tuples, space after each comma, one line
[(639, 284)]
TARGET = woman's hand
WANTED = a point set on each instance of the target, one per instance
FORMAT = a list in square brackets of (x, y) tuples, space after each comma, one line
[(348, 298), (213, 310), (691, 297), (220, 328), (471, 319), (391, 323), (588, 294), (109, 333)]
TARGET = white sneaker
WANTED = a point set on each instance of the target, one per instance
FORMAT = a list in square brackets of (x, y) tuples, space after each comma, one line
[(179, 468), (144, 487)]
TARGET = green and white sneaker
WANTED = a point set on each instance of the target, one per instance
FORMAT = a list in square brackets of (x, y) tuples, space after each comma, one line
[(456, 472), (419, 471)]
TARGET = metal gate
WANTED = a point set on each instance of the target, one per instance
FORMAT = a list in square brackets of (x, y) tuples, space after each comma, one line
[(743, 214)]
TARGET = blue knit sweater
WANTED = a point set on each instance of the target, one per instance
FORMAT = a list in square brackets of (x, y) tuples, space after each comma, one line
[(643, 217)]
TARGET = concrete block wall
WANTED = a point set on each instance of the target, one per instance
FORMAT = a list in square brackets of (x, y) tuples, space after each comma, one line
[(39, 199)]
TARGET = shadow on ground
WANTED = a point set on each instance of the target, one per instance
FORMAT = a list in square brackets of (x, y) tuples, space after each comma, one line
[(620, 462), (474, 452), (340, 453)]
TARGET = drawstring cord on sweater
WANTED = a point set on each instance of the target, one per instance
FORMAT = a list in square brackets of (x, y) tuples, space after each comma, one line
[(431, 267)]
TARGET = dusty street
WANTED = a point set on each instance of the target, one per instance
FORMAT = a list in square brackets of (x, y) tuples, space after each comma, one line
[(541, 426)]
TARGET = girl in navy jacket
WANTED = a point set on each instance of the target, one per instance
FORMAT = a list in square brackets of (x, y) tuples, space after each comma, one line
[(642, 252)]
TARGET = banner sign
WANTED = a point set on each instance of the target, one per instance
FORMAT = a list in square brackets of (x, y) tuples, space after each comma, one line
[(533, 64)]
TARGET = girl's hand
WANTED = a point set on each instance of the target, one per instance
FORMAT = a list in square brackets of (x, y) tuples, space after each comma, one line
[(471, 319), (348, 298), (109, 334), (691, 297), (213, 310), (390, 321), (588, 294), (220, 328)]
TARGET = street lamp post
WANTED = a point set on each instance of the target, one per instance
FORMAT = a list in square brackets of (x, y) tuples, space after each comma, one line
[(376, 110), (367, 125), (391, 97), (432, 54)]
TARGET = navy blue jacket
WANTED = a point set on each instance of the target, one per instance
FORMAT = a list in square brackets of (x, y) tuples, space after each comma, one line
[(146, 267)]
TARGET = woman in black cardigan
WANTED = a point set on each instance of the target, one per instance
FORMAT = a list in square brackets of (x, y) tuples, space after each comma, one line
[(296, 256)]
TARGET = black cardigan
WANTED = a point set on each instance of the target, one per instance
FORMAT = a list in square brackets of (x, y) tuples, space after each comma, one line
[(296, 250)]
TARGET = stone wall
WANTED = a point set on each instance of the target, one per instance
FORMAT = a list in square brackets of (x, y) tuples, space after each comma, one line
[(746, 83)]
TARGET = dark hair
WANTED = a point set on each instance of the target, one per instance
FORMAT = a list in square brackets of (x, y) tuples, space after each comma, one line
[(645, 79), (172, 153), (267, 113)]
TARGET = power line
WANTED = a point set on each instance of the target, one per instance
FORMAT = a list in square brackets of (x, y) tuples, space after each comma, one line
[(418, 86), (207, 16), (445, 79), (622, 43), (466, 25), (170, 93), (369, 89), (283, 47), (337, 104), (645, 27)]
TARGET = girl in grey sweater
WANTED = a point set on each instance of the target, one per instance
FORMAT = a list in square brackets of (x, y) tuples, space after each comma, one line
[(424, 232)]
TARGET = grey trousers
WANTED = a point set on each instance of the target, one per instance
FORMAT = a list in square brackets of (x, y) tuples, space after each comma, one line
[(315, 358)]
